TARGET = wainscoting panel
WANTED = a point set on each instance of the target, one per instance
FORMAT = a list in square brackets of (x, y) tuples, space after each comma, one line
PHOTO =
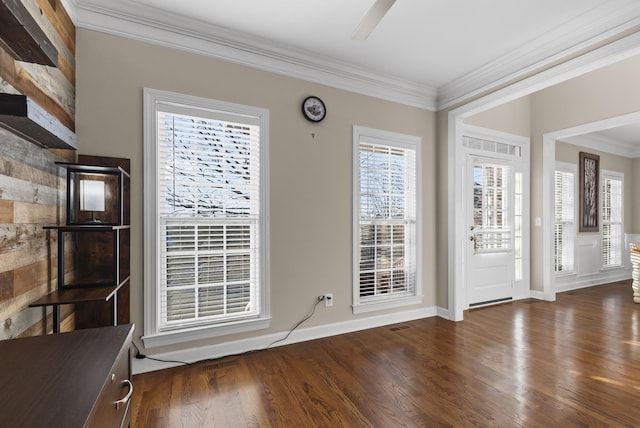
[(588, 255), (588, 267)]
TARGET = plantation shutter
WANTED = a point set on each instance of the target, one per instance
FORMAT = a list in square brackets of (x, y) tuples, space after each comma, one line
[(564, 227), (209, 205), (611, 222)]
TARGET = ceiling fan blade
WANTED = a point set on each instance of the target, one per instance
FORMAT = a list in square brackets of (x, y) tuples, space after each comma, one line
[(372, 19)]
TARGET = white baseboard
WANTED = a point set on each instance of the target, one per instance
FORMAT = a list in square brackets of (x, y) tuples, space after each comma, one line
[(577, 282), (534, 294), (261, 342), (443, 313)]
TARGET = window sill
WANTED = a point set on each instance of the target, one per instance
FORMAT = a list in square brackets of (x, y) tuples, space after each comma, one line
[(389, 303), (166, 338)]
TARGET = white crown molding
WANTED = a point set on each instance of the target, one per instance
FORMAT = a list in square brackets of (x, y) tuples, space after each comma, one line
[(582, 135), (155, 26), (603, 144), (596, 27), (606, 55), (140, 22)]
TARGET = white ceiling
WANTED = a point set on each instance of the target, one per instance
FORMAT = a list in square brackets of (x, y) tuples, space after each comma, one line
[(430, 42), (627, 134), (437, 46)]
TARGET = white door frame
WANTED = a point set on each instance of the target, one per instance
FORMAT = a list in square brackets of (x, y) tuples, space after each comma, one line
[(548, 167), (608, 54)]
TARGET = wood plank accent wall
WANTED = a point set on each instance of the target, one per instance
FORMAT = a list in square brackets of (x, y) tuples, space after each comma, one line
[(53, 88), (32, 187)]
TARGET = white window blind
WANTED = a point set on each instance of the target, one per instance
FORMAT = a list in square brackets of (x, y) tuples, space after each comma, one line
[(387, 227), (612, 214), (207, 209), (564, 221)]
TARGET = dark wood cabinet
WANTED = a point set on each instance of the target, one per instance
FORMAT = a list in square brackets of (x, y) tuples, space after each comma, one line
[(76, 379)]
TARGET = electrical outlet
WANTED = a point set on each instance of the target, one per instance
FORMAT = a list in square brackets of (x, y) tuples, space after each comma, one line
[(328, 300)]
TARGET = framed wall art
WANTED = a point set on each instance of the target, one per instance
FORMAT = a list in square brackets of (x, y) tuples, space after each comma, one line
[(589, 192)]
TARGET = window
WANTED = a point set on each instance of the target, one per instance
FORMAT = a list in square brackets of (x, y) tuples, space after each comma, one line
[(205, 232), (518, 221), (492, 220), (564, 224), (386, 226), (612, 227)]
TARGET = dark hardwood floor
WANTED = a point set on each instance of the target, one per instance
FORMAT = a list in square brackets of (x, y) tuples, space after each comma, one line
[(571, 363)]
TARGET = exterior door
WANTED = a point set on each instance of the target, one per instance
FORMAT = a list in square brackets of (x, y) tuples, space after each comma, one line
[(490, 240)]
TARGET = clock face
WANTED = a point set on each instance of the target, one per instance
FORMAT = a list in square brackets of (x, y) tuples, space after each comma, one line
[(314, 109)]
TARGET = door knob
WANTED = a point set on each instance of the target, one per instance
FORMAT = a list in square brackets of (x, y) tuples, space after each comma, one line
[(474, 238)]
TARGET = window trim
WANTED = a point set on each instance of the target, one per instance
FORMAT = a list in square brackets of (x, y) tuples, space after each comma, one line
[(612, 175), (152, 98), (395, 140), (572, 169)]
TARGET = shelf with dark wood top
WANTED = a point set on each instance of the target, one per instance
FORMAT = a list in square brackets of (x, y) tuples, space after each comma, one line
[(77, 294), (24, 117), (89, 227), (22, 37)]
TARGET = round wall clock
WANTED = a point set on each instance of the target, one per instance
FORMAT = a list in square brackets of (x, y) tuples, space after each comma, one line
[(314, 109)]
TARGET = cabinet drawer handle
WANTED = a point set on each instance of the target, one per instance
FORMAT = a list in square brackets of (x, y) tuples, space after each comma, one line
[(126, 397)]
